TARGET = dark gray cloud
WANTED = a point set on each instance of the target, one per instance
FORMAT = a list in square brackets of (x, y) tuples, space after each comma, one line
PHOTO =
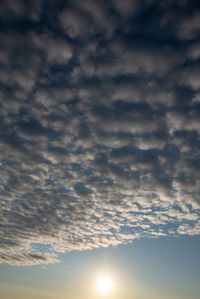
[(99, 125)]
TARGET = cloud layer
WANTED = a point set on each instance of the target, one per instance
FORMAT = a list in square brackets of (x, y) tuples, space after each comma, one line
[(100, 125)]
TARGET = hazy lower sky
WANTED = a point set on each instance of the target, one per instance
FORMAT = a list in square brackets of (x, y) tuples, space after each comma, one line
[(99, 149)]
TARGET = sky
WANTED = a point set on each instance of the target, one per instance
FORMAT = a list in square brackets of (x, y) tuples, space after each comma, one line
[(99, 148)]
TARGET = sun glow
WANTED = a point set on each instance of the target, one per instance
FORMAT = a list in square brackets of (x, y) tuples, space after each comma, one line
[(104, 284)]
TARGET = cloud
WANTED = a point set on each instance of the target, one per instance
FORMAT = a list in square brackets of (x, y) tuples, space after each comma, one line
[(19, 8), (187, 229), (194, 51), (189, 27), (122, 57), (82, 21), (126, 9), (99, 135), (56, 51), (27, 259)]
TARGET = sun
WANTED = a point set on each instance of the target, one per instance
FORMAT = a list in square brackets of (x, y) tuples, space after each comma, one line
[(104, 284)]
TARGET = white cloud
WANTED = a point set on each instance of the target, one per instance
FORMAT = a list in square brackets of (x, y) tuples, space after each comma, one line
[(189, 27), (99, 135), (56, 50)]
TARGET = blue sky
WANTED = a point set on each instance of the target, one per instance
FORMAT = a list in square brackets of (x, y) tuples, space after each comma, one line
[(99, 135), (149, 268)]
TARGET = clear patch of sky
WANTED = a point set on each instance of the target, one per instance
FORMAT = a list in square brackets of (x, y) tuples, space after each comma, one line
[(162, 267)]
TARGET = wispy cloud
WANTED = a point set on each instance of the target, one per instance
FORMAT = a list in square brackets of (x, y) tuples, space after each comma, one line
[(100, 130)]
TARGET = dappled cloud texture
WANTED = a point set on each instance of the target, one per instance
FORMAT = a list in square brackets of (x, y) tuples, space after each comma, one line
[(100, 124)]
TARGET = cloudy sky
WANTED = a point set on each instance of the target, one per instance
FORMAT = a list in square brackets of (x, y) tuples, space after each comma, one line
[(100, 127)]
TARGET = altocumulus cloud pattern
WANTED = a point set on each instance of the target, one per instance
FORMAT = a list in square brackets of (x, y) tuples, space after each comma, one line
[(100, 124)]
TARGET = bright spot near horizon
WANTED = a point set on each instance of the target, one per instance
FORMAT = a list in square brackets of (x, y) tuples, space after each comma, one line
[(104, 284)]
